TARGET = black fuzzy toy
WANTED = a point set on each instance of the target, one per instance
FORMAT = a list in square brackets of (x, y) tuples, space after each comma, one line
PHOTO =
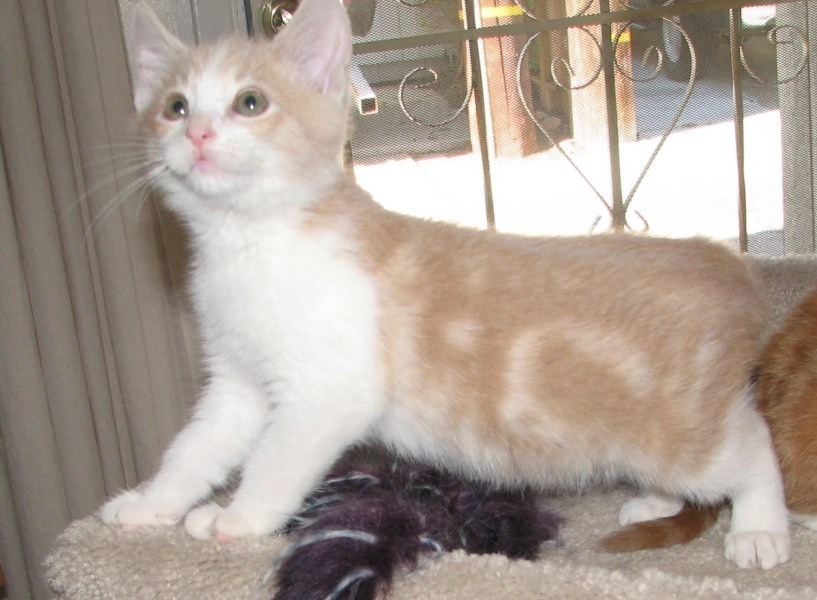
[(365, 524)]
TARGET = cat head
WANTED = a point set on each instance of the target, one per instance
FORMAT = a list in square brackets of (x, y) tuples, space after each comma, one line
[(244, 124)]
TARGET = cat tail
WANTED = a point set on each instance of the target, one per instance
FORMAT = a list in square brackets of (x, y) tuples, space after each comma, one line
[(691, 522)]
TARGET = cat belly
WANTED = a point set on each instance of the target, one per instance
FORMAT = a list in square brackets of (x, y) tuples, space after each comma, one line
[(563, 430), (543, 457), (558, 457)]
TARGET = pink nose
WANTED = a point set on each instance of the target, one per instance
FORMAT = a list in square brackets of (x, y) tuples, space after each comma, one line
[(199, 133)]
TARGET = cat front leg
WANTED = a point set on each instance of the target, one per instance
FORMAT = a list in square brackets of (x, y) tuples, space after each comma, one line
[(226, 422), (292, 456)]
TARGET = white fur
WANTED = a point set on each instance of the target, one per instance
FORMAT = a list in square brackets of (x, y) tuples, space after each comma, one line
[(290, 328), (276, 305), (237, 156), (288, 320), (759, 533), (649, 507)]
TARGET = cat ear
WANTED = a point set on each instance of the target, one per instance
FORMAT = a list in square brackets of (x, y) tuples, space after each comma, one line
[(156, 48), (319, 41)]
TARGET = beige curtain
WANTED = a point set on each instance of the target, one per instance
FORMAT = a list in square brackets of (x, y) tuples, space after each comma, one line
[(94, 371)]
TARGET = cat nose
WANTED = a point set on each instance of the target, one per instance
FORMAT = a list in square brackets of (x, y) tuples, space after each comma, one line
[(199, 133)]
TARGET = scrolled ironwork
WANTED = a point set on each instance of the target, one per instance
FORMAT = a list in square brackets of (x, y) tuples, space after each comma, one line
[(645, 225), (655, 60), (522, 54), (773, 37), (401, 97), (565, 63), (676, 117), (650, 53)]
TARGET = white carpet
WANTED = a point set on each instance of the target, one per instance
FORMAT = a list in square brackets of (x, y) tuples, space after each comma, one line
[(91, 561)]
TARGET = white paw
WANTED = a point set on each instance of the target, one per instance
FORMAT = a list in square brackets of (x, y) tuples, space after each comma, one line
[(200, 521), (649, 508), (212, 521), (132, 510), (751, 549)]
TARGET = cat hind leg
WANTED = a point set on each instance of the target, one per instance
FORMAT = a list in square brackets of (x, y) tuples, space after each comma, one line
[(649, 507), (759, 532)]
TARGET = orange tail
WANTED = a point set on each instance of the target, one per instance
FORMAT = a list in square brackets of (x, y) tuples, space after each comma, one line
[(682, 528)]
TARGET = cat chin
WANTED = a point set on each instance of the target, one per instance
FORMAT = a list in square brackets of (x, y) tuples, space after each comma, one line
[(215, 186), (201, 203)]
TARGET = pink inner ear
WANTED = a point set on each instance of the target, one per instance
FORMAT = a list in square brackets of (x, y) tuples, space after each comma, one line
[(147, 80), (149, 67), (155, 48), (319, 40), (322, 71)]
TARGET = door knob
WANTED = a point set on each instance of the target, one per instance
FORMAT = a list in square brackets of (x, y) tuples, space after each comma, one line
[(275, 14)]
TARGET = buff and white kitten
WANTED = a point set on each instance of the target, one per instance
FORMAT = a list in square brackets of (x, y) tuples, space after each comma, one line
[(327, 321), (787, 398)]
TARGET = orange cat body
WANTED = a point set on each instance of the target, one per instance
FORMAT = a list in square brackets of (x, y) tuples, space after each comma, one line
[(514, 348), (328, 321), (787, 397), (787, 394)]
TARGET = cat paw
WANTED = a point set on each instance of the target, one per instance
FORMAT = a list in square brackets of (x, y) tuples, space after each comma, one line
[(131, 510), (649, 508), (752, 549), (200, 521), (212, 521)]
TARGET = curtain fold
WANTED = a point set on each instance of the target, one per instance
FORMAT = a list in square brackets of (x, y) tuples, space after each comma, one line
[(94, 365)]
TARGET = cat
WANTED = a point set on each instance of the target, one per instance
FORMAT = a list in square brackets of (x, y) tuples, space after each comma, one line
[(787, 397), (328, 322)]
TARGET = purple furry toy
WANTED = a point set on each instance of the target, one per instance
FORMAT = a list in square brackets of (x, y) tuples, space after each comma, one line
[(365, 524)]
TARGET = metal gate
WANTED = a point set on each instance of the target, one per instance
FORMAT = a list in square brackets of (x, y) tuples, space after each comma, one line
[(563, 117)]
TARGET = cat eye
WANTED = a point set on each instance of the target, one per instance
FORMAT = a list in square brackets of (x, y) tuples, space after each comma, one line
[(176, 107), (250, 103)]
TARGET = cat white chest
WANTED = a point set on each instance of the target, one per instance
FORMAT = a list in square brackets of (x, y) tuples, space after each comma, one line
[(289, 308)]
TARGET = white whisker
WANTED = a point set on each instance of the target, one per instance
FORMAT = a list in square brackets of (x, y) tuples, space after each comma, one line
[(125, 193), (124, 160)]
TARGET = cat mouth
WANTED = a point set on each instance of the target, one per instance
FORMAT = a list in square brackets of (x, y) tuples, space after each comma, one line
[(204, 165), (203, 170), (203, 162), (207, 177)]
